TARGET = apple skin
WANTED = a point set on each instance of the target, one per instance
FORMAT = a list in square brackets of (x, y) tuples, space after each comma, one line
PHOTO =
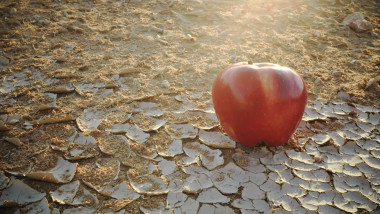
[(259, 102)]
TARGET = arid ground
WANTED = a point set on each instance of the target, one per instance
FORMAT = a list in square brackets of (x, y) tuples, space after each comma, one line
[(105, 106)]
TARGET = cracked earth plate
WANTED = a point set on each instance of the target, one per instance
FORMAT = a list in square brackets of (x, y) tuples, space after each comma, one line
[(147, 108), (147, 183), (181, 131), (216, 139), (90, 119), (19, 194), (63, 172), (210, 158)]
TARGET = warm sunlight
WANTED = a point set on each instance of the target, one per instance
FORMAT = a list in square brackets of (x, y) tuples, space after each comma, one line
[(189, 106)]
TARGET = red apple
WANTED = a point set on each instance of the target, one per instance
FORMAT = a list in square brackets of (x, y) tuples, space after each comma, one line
[(260, 102)]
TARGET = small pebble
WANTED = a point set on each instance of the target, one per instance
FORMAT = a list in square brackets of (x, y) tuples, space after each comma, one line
[(4, 61), (37, 18), (157, 29), (12, 11), (343, 95), (357, 22), (336, 73), (160, 40), (75, 29), (353, 62), (233, 58), (318, 81), (165, 83), (180, 51), (370, 82), (190, 37)]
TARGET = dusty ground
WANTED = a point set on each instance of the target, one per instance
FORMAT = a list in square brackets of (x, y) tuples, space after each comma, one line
[(115, 54)]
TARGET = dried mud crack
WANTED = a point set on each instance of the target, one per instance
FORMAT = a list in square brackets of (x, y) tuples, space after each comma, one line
[(105, 107)]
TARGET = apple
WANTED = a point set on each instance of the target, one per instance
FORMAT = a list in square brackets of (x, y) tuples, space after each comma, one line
[(260, 102)]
